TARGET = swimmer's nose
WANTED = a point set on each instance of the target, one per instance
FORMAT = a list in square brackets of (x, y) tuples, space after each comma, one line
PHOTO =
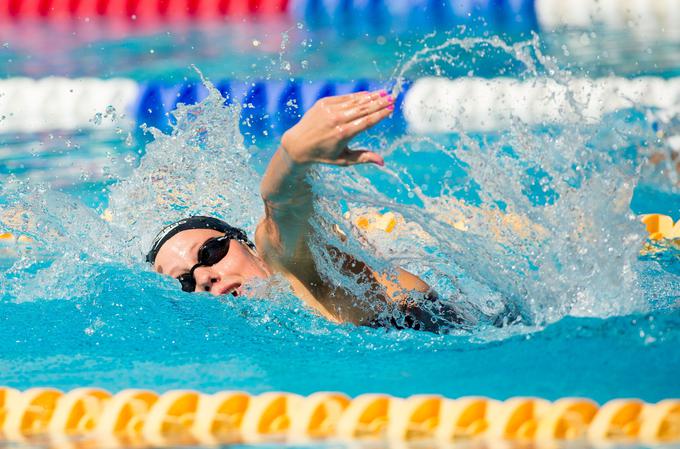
[(205, 279)]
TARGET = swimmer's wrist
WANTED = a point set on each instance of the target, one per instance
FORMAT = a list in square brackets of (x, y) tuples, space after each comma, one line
[(294, 155)]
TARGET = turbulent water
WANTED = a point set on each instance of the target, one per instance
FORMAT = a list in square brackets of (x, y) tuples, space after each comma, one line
[(532, 219)]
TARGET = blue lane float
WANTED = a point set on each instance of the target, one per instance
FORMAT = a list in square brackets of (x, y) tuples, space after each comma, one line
[(268, 107), (658, 17), (400, 15)]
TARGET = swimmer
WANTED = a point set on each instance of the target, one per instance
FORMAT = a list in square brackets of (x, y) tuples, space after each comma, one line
[(206, 254)]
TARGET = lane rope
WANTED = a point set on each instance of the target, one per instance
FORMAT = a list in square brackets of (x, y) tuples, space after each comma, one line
[(642, 16), (54, 103), (470, 104), (191, 417), (138, 10)]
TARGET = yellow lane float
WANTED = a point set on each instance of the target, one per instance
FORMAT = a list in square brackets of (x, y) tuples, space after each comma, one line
[(219, 416), (661, 227), (144, 418), (318, 415), (365, 417), (462, 217), (464, 418), (171, 418), (658, 226), (566, 419), (125, 413), (29, 413), (517, 418), (268, 416), (661, 422), (78, 411), (8, 396), (415, 418), (617, 420), (9, 237)]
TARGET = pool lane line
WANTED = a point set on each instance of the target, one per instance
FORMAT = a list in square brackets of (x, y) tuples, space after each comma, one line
[(143, 417), (644, 17), (463, 104)]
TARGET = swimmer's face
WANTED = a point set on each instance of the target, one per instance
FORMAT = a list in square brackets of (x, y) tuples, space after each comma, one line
[(180, 253)]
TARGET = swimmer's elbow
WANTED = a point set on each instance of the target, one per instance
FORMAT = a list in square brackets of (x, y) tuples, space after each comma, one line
[(409, 281)]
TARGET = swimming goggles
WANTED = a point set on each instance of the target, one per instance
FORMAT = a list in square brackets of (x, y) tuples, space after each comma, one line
[(211, 252)]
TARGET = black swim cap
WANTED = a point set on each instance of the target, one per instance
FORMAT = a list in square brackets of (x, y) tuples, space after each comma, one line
[(195, 222)]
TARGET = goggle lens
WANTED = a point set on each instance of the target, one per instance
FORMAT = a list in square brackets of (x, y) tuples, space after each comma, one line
[(212, 251), (188, 282)]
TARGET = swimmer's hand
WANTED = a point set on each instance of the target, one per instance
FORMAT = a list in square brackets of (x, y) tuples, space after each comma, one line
[(324, 131)]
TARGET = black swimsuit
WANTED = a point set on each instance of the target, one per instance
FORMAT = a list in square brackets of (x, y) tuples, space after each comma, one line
[(427, 313)]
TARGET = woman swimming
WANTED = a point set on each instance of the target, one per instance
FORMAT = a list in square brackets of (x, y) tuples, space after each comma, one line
[(207, 254)]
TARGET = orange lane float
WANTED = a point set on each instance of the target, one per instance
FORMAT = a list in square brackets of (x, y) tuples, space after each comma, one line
[(464, 418), (268, 416), (29, 413), (141, 417), (365, 417), (125, 414), (78, 411), (661, 227), (318, 415), (219, 416), (566, 419), (617, 420), (662, 232)]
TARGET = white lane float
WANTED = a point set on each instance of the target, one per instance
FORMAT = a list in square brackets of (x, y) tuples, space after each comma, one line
[(437, 105)]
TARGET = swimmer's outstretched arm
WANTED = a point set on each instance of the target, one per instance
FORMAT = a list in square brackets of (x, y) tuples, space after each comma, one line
[(321, 137)]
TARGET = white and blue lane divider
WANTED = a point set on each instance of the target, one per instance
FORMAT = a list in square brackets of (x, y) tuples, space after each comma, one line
[(657, 16), (28, 105), (429, 105)]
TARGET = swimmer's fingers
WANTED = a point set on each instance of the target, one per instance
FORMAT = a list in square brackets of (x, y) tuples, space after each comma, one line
[(351, 129), (353, 157), (367, 106), (347, 98)]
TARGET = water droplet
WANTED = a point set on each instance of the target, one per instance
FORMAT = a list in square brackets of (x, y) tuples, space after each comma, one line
[(256, 43)]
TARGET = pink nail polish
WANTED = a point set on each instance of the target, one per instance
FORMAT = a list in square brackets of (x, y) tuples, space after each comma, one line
[(391, 107), (383, 93), (390, 99)]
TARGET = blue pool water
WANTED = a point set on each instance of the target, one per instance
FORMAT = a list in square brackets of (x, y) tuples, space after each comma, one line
[(78, 308)]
